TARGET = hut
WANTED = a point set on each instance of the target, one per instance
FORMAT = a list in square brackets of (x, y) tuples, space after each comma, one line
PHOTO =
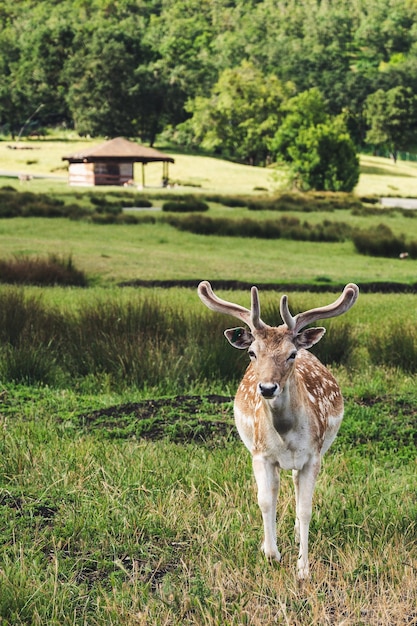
[(111, 163)]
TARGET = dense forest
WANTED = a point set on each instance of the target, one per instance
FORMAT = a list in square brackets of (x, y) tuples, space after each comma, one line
[(238, 77)]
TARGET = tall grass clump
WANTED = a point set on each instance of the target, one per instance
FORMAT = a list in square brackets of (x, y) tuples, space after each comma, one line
[(131, 342), (146, 343), (52, 270), (395, 346), (141, 343), (28, 334), (210, 355)]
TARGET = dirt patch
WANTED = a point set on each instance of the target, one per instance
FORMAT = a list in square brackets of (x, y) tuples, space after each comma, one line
[(180, 419), (209, 420)]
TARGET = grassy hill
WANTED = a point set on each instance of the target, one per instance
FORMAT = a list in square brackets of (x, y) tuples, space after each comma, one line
[(379, 176)]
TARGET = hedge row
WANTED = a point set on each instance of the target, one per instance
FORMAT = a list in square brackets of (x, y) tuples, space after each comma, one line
[(192, 205), (28, 204), (305, 202), (285, 228)]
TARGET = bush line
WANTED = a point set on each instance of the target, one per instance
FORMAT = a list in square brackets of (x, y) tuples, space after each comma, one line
[(379, 241), (285, 228)]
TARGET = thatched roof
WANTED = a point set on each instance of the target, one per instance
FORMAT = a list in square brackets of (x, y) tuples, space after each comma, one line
[(118, 149)]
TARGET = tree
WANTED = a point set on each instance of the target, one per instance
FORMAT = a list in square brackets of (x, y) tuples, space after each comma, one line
[(103, 95), (317, 147), (12, 100), (392, 119), (304, 110), (40, 72), (242, 114), (324, 158)]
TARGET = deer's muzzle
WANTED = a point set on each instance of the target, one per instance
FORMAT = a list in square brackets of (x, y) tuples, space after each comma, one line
[(268, 390)]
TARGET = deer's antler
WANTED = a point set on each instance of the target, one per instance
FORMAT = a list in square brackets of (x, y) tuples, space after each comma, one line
[(250, 317), (344, 302)]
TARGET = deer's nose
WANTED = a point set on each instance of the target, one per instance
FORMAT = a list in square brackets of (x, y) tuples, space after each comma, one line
[(268, 390)]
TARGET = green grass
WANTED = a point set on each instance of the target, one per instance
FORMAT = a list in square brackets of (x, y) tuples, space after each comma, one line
[(132, 504), (116, 253), (128, 531)]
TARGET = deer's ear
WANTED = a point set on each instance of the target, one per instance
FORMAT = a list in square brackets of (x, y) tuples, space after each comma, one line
[(239, 337), (310, 336)]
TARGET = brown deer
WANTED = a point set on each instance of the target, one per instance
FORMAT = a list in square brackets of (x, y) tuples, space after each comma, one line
[(288, 407)]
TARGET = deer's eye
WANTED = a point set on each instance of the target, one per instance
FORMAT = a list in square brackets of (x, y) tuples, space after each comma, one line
[(252, 354), (292, 356)]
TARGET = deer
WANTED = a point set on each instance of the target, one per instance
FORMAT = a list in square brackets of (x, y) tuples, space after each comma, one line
[(288, 406)]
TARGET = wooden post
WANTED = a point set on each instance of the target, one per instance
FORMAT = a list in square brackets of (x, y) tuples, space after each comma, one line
[(143, 175)]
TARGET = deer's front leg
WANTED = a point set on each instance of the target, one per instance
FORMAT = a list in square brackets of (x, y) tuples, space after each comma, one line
[(267, 480), (304, 482)]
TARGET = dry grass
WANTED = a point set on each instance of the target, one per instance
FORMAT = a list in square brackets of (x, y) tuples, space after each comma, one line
[(382, 177)]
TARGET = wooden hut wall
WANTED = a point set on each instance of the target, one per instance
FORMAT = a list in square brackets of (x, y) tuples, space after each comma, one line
[(81, 174), (112, 173)]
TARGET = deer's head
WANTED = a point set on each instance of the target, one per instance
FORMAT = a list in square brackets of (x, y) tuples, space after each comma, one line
[(273, 349)]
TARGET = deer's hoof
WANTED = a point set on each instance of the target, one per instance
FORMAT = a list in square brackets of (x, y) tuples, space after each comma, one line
[(303, 573), (272, 554)]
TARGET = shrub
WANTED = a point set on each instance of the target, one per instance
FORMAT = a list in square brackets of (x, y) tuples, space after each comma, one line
[(323, 157), (137, 201), (103, 218), (233, 201), (127, 218), (104, 206), (370, 199), (365, 211)]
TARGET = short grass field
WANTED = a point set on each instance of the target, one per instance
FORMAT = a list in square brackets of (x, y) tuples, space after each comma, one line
[(126, 498)]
